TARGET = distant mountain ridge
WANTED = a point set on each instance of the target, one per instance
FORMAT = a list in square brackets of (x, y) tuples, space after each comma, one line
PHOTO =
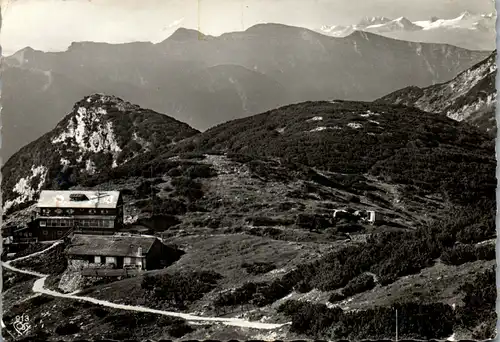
[(468, 30), (204, 80), (470, 97)]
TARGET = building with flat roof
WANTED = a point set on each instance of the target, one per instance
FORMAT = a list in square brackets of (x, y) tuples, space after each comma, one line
[(87, 212)]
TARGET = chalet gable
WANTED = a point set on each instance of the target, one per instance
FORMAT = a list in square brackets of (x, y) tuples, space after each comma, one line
[(116, 246)]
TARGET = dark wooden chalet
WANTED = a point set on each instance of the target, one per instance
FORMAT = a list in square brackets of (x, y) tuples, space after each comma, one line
[(98, 253)]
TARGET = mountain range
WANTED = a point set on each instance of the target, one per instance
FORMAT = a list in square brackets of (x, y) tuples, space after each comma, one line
[(205, 80), (469, 97), (468, 30)]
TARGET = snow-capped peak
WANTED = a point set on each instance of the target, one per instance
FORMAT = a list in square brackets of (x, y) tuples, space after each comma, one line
[(398, 24), (466, 20), (366, 21), (468, 30)]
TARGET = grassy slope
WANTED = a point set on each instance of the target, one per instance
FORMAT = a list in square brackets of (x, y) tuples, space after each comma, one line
[(217, 209)]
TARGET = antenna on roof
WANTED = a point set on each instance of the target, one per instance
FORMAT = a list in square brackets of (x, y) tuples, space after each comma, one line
[(98, 197)]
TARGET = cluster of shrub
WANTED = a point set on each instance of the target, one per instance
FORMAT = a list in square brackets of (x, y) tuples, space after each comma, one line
[(314, 222), (359, 284), (288, 168), (389, 255), (17, 207), (129, 323), (32, 248), (150, 165), (432, 169), (415, 320), (53, 262), (124, 325), (262, 221), (478, 312), (178, 290), (258, 267), (187, 191), (461, 253), (343, 223), (11, 279), (259, 294)]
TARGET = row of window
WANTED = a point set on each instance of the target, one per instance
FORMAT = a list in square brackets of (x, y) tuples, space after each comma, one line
[(25, 234), (59, 232), (80, 223), (60, 211)]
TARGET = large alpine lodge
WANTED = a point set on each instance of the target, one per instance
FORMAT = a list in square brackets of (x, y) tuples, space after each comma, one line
[(60, 213)]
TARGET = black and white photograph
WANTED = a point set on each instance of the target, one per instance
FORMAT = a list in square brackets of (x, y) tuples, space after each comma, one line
[(248, 170)]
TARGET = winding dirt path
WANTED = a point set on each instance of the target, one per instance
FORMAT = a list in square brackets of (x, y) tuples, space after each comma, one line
[(39, 287)]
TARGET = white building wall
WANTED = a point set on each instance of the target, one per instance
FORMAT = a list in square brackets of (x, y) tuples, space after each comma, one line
[(371, 215), (111, 260), (132, 261), (97, 259)]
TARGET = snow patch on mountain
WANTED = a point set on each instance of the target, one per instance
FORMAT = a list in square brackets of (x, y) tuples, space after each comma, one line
[(316, 118), (87, 131), (368, 114), (354, 125), (27, 187), (337, 30), (318, 129), (377, 20), (323, 128)]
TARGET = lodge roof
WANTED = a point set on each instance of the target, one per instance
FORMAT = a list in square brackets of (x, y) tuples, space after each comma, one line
[(109, 245), (78, 199)]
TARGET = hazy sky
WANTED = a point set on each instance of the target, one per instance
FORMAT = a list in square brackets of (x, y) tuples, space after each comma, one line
[(51, 25)]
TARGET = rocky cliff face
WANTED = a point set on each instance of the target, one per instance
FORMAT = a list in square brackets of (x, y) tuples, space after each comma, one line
[(470, 97), (100, 132)]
